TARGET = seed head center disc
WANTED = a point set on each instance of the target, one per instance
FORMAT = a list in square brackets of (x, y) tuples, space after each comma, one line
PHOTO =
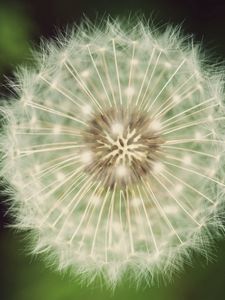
[(122, 146)]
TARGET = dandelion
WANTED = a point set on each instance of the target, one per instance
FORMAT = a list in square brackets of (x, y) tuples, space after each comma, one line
[(114, 149)]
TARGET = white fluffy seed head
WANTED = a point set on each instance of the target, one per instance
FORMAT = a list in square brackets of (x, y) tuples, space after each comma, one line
[(112, 153)]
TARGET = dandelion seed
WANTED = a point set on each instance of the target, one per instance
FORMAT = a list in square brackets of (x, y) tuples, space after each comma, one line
[(116, 154)]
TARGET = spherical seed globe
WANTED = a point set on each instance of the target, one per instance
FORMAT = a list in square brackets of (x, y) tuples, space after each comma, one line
[(114, 151)]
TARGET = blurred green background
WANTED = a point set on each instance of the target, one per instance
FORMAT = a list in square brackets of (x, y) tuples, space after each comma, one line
[(22, 23)]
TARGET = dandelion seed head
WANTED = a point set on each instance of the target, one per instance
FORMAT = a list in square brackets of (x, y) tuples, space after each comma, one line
[(114, 149)]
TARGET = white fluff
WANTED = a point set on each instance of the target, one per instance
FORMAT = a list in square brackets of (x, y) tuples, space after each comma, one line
[(73, 217)]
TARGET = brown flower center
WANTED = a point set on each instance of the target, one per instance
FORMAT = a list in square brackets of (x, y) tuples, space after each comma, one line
[(123, 146)]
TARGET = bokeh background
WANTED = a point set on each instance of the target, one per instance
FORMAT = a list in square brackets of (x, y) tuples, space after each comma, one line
[(22, 24)]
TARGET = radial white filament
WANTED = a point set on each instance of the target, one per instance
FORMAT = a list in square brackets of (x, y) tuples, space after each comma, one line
[(114, 150)]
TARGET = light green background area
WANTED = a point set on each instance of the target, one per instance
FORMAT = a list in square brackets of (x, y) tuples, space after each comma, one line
[(15, 30)]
